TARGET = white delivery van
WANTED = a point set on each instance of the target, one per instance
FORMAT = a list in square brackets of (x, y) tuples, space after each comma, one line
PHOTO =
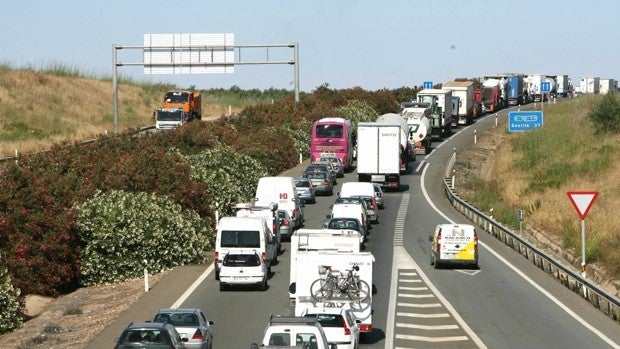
[(454, 244), (270, 213), (280, 190), (238, 233)]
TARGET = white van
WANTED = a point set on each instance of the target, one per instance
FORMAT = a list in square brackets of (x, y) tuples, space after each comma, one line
[(350, 211), (454, 244), (238, 233), (365, 190), (350, 189), (280, 190), (270, 213)]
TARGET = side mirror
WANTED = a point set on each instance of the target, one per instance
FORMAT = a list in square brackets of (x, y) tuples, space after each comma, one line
[(292, 288), (254, 346), (328, 216), (210, 322), (430, 238)]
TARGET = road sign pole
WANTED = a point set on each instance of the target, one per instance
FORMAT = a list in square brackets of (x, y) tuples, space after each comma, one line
[(583, 248)]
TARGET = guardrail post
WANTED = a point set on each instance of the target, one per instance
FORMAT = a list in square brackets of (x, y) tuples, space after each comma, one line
[(475, 137)]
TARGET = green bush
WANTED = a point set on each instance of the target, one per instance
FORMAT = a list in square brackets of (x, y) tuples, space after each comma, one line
[(230, 176), (10, 317), (122, 230), (605, 116)]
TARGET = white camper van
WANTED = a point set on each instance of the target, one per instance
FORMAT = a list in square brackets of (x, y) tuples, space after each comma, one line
[(280, 190), (238, 233)]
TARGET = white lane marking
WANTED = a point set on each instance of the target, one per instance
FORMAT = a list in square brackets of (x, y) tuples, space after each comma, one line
[(404, 273), (405, 295), (419, 305), (432, 339), (422, 163), (193, 287), (405, 288), (424, 316), (525, 277), (427, 327)]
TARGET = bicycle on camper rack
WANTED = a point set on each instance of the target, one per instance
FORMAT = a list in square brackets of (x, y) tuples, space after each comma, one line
[(333, 284)]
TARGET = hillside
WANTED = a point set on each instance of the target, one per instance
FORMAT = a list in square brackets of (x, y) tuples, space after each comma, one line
[(533, 172)]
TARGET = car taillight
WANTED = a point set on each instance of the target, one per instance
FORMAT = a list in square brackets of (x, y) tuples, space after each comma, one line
[(326, 182), (274, 227), (264, 256), (216, 255), (475, 242), (374, 203), (347, 330), (294, 214), (198, 335), (285, 222), (365, 327), (438, 246)]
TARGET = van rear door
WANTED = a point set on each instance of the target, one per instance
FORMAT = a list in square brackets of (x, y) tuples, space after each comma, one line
[(458, 243)]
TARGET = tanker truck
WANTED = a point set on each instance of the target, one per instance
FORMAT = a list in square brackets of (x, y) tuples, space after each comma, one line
[(417, 118)]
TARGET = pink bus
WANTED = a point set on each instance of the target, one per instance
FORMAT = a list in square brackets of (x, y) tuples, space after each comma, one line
[(332, 135)]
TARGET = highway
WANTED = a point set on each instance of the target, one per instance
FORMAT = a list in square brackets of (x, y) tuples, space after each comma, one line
[(506, 303)]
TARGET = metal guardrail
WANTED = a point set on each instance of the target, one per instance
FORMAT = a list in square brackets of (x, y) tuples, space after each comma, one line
[(594, 294)]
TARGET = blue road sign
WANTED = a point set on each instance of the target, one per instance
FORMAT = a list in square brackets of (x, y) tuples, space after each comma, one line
[(428, 84), (545, 86), (520, 121)]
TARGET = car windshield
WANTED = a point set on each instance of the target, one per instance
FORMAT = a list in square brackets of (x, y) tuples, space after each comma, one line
[(348, 200), (329, 320), (343, 224), (302, 184), (177, 319), (241, 260), (316, 175), (145, 336)]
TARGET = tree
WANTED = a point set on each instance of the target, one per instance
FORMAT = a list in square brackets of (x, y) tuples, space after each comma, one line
[(606, 115)]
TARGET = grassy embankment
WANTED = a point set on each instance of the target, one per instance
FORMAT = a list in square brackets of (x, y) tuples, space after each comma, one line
[(533, 171), (39, 108)]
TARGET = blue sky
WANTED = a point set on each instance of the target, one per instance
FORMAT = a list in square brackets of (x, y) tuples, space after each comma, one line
[(345, 43)]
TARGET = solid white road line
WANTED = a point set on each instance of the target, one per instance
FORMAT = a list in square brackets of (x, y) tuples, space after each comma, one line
[(525, 277), (193, 287), (427, 327)]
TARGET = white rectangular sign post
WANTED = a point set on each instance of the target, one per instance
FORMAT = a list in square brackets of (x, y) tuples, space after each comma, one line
[(582, 201)]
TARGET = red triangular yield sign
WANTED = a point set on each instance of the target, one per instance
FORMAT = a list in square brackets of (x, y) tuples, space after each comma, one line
[(582, 201)]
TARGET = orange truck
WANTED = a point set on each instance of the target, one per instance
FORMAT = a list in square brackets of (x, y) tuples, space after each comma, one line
[(190, 102)]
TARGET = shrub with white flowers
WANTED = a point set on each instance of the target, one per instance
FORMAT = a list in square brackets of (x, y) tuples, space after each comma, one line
[(357, 111), (122, 230), (231, 177), (10, 317)]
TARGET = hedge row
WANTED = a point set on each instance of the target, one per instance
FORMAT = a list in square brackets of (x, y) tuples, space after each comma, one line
[(97, 211)]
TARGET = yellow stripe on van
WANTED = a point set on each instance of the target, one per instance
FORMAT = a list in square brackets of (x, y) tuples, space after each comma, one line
[(467, 252)]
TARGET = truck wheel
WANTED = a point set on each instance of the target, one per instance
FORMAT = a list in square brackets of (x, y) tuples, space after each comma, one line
[(217, 275), (222, 287), (264, 285)]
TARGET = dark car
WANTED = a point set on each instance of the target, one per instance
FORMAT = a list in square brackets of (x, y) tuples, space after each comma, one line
[(317, 167), (190, 323), (321, 182), (150, 335)]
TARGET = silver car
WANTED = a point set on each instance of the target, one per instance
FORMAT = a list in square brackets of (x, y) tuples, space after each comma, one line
[(286, 225), (321, 182), (378, 195), (190, 323), (305, 190), (336, 163)]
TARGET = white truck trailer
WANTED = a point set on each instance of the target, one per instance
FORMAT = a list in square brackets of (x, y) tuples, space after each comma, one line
[(310, 265), (379, 154), (465, 91), (440, 102)]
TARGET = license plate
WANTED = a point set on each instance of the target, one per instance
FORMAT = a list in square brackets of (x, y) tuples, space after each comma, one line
[(377, 178)]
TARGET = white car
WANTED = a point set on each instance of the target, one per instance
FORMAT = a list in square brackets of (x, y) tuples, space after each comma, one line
[(338, 324), (243, 268), (378, 195)]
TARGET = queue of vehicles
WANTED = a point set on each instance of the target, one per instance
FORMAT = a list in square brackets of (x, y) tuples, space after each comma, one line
[(330, 282)]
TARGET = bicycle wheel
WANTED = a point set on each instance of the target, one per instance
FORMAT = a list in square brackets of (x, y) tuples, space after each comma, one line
[(321, 290), (358, 290)]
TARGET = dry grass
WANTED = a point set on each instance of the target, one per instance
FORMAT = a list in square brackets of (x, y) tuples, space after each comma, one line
[(567, 156)]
